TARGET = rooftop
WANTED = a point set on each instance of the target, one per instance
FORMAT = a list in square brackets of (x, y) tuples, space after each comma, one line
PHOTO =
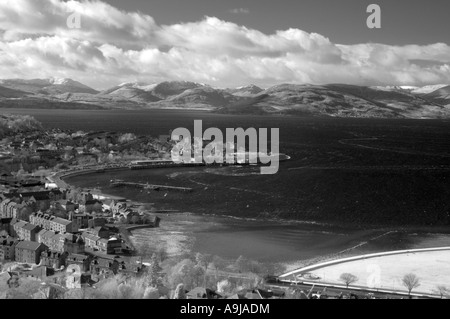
[(29, 245)]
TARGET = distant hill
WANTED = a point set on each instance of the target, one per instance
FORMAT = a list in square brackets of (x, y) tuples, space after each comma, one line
[(167, 89), (334, 100), (440, 96), (245, 91), (339, 100), (11, 93), (47, 86)]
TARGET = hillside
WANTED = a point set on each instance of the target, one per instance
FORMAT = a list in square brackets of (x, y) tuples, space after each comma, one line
[(333, 100), (47, 86), (440, 96)]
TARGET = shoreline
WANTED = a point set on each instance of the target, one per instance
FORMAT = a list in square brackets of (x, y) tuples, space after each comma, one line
[(362, 233), (442, 229)]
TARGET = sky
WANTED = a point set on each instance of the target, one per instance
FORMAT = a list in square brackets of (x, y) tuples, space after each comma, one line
[(226, 43)]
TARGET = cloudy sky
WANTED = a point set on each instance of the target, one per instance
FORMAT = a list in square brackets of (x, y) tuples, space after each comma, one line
[(226, 43)]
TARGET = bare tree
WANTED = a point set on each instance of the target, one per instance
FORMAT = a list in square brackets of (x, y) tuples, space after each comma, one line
[(348, 279), (410, 281), (442, 291)]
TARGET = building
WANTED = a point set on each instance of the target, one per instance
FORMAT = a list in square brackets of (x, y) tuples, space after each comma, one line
[(96, 222), (112, 245), (55, 224), (90, 241), (80, 219), (46, 237), (53, 259), (63, 225), (29, 232), (99, 231), (25, 231), (42, 220), (74, 244), (5, 224), (7, 248), (90, 206), (29, 252), (83, 261)]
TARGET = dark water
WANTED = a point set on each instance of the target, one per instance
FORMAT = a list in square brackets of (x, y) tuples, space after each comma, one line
[(343, 171)]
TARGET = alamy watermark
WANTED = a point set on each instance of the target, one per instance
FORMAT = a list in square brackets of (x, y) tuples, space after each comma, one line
[(74, 20), (374, 19), (232, 150)]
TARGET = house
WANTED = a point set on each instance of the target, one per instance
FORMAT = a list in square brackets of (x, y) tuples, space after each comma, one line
[(80, 219), (55, 224), (29, 252), (99, 231), (57, 242), (41, 273), (84, 261), (90, 241), (5, 224), (46, 237), (63, 225), (53, 259), (74, 244), (89, 206), (7, 248), (42, 220), (29, 232), (12, 231), (110, 246), (96, 222), (26, 231)]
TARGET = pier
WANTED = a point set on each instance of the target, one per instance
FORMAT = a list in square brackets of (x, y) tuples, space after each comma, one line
[(119, 183)]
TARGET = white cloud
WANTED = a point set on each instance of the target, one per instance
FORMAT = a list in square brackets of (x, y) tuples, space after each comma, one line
[(118, 46)]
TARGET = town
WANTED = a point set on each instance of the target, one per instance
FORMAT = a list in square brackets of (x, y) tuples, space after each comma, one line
[(59, 241), (64, 241)]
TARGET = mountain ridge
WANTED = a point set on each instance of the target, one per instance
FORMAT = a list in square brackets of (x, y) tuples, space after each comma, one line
[(335, 100)]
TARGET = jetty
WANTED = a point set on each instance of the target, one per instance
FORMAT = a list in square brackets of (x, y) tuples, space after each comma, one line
[(120, 183)]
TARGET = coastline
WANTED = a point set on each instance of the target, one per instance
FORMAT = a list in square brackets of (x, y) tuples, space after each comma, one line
[(359, 236)]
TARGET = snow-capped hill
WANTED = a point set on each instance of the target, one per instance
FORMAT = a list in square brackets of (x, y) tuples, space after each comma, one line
[(410, 89), (138, 85), (395, 88), (428, 89), (48, 86), (440, 96), (248, 90)]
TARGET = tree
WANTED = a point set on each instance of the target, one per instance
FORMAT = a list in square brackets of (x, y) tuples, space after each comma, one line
[(198, 272), (154, 277), (203, 261), (225, 287), (179, 292), (348, 279), (242, 264), (410, 281), (442, 291), (135, 219)]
